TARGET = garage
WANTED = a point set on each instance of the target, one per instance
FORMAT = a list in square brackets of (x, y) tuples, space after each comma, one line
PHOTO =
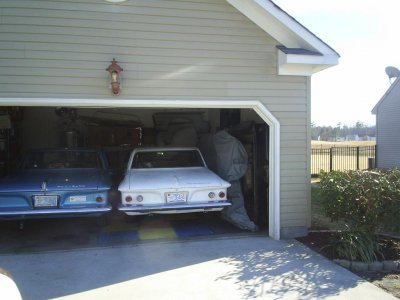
[(96, 73), (118, 130)]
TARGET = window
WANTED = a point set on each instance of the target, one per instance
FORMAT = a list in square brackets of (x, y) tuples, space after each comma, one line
[(167, 159), (61, 160)]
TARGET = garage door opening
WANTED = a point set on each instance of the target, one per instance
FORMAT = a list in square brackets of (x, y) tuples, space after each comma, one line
[(119, 130)]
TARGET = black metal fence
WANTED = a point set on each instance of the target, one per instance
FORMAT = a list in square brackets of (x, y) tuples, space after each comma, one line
[(342, 158)]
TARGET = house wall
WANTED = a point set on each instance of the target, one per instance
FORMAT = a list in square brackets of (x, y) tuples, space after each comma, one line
[(197, 49), (387, 127)]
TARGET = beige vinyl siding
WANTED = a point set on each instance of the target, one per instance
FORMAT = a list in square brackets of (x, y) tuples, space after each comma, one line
[(169, 49), (387, 125)]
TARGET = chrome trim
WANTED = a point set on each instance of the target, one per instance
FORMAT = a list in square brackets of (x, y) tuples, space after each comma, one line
[(154, 208), (56, 211)]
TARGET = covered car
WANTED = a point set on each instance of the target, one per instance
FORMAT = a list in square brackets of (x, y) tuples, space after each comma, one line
[(57, 182), (170, 180)]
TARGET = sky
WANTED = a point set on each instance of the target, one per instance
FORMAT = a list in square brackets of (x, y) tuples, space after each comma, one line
[(366, 34)]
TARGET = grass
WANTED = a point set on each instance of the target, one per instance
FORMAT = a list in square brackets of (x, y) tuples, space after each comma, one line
[(327, 145)]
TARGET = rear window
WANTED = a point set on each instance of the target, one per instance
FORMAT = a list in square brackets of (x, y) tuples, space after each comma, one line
[(61, 160), (167, 159)]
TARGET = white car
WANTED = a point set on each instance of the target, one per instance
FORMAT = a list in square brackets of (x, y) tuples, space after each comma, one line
[(169, 181)]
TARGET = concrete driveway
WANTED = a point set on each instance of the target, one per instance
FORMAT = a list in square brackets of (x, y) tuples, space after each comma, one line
[(249, 267)]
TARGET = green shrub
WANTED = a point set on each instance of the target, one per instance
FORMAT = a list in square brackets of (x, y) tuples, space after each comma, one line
[(368, 199), (366, 202)]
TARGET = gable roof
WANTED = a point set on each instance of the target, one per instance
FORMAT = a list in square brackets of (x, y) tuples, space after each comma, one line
[(301, 52), (387, 93)]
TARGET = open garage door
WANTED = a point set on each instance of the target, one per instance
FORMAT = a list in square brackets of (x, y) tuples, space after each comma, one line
[(117, 124)]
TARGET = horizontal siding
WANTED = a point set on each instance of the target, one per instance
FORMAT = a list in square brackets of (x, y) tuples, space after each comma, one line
[(292, 168), (105, 57), (292, 220), (288, 180), (136, 46), (290, 209), (258, 88), (173, 93), (292, 129), (229, 76), (169, 49), (146, 9), (191, 50), (292, 172), (155, 29), (388, 134), (295, 187), (127, 38), (141, 67)]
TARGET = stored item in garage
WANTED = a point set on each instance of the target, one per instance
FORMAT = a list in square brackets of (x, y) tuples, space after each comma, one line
[(228, 158)]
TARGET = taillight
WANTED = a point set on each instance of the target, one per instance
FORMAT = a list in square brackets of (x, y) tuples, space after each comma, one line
[(139, 198), (128, 199), (99, 199), (221, 194), (211, 195)]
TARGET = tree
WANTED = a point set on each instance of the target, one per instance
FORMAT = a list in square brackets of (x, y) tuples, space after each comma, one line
[(326, 133)]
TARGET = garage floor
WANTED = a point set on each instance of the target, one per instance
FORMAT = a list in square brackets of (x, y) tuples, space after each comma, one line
[(70, 233)]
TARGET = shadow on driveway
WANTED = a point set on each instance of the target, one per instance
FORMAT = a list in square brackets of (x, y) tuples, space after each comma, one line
[(225, 268)]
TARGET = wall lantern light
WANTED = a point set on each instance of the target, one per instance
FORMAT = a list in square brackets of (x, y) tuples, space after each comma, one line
[(115, 78)]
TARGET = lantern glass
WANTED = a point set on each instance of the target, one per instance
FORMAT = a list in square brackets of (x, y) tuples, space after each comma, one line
[(114, 76)]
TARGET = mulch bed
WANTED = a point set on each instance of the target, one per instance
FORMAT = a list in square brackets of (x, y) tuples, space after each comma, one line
[(389, 281), (319, 240)]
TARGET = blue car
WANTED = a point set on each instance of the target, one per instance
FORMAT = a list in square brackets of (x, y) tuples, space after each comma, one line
[(55, 183)]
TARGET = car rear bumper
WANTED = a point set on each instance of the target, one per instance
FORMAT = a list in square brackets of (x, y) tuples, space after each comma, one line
[(55, 211), (172, 209)]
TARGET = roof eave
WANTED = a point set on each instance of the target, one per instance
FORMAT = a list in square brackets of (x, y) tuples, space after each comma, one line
[(374, 111), (290, 33), (304, 64)]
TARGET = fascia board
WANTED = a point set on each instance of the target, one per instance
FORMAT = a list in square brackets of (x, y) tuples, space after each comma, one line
[(307, 59), (304, 65)]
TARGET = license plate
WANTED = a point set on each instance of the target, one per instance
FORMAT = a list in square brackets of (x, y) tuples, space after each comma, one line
[(77, 199), (176, 197), (45, 201)]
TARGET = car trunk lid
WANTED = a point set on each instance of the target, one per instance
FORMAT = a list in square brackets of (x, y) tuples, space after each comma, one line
[(175, 178), (51, 180)]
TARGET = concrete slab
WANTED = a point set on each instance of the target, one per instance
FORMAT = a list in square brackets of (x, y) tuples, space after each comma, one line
[(73, 233), (221, 268)]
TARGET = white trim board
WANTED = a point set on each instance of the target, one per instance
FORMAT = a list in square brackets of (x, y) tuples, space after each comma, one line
[(257, 106)]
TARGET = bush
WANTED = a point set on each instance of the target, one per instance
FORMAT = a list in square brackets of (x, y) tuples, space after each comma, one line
[(366, 202), (368, 199)]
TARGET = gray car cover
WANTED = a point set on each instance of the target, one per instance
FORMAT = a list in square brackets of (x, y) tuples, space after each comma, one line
[(226, 156), (236, 213)]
